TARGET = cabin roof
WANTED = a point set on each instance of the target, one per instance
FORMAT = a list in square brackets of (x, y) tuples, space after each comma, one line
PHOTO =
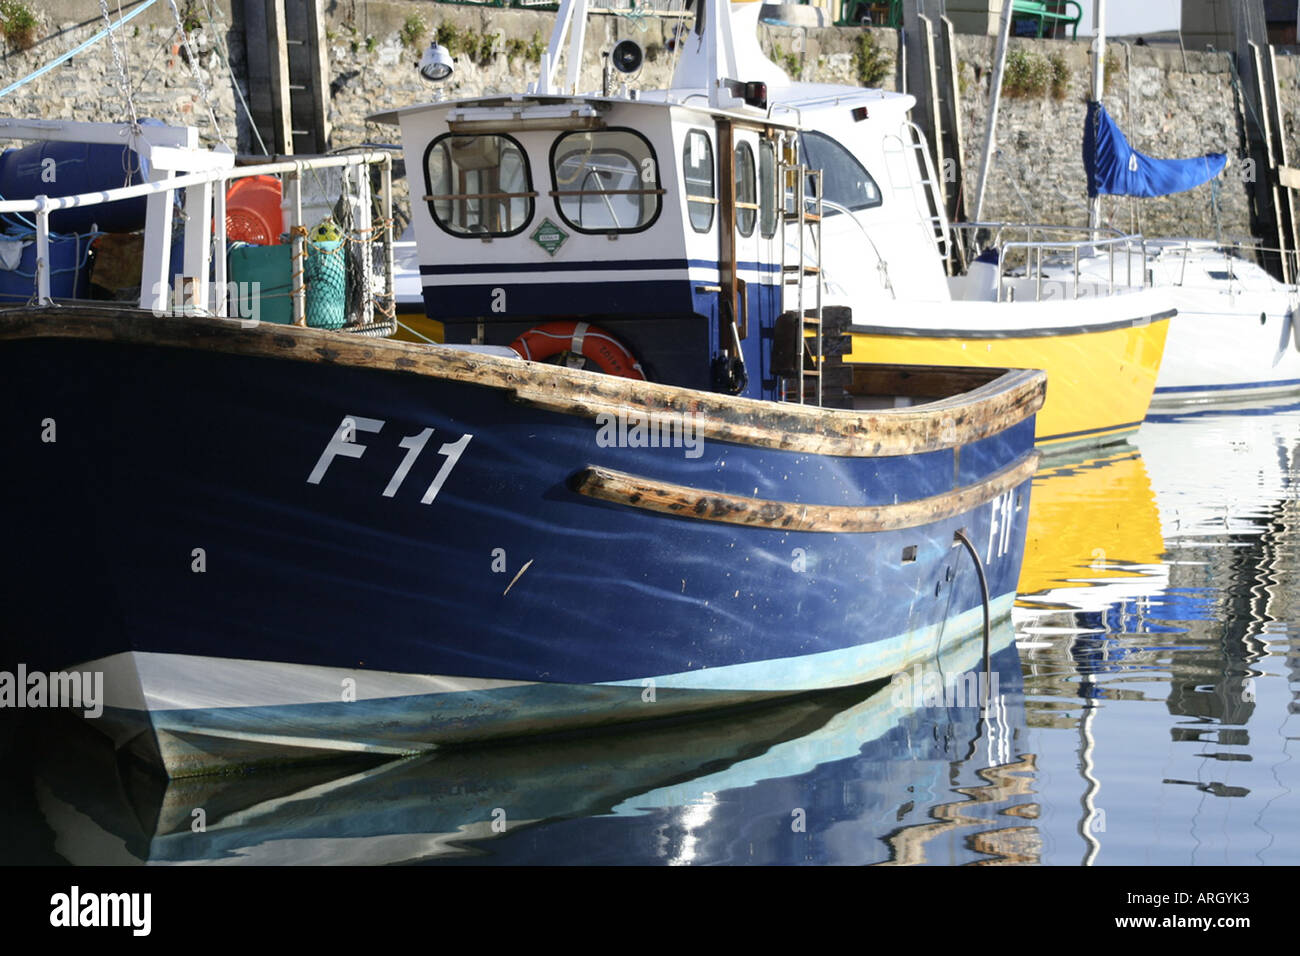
[(784, 99), (695, 100), (809, 96)]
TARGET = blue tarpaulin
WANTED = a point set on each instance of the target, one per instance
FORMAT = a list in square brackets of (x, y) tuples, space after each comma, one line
[(1117, 169)]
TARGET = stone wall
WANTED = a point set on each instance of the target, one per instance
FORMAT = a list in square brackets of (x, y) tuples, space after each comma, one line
[(374, 69), (1169, 104), (164, 84)]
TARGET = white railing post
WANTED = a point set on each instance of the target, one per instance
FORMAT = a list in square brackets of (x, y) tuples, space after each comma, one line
[(198, 242), (155, 271), (386, 208), (364, 228), (298, 241), (220, 301), (42, 251)]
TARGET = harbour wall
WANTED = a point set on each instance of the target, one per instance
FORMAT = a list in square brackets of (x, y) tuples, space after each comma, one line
[(1170, 103)]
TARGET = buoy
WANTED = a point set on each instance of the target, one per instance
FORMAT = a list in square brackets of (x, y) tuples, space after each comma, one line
[(325, 275), (590, 341)]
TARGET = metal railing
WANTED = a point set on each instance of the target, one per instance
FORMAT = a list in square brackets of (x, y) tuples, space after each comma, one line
[(531, 4), (215, 226), (1248, 250), (1105, 241), (638, 7)]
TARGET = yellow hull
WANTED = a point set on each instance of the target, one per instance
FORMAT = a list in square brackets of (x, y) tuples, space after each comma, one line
[(417, 327), (1099, 384)]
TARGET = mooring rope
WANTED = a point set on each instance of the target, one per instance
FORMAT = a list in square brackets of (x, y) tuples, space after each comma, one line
[(107, 31)]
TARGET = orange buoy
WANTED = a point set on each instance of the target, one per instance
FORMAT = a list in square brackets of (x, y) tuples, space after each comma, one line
[(590, 341)]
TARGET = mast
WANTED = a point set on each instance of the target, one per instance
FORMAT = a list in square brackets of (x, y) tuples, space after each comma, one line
[(569, 12), (1098, 87), (999, 66)]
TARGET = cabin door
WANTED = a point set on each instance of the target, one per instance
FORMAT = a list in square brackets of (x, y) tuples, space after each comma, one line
[(748, 254)]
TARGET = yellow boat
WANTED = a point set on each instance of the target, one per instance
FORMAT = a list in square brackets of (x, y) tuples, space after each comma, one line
[(1100, 373), (414, 326), (875, 243)]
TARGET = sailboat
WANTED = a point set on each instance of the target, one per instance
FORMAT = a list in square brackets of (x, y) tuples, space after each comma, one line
[(1235, 335)]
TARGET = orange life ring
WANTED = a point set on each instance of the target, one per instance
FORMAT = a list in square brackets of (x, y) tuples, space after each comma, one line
[(590, 341)]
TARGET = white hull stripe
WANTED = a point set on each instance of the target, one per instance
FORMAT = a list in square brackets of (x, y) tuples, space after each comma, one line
[(184, 682), (551, 278), (156, 682)]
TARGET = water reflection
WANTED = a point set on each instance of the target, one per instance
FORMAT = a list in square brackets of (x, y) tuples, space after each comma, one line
[(1205, 629), (840, 779)]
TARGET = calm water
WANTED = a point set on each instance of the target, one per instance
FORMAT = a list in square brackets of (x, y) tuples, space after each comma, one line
[(1147, 689)]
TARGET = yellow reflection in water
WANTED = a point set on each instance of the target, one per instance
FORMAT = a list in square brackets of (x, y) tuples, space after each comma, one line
[(1088, 520)]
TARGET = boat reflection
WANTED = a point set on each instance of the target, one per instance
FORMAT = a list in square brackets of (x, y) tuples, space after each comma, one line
[(841, 778), (1094, 544)]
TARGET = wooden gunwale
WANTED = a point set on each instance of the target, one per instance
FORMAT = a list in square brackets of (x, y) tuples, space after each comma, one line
[(993, 400), (620, 488)]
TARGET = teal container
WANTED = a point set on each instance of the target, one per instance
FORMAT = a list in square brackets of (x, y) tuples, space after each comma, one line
[(264, 274)]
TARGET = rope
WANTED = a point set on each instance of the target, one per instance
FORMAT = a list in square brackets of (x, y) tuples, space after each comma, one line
[(36, 286), (119, 61), (193, 63), (297, 281), (984, 595), (107, 31), (1214, 209), (635, 15), (679, 36), (224, 55), (418, 335)]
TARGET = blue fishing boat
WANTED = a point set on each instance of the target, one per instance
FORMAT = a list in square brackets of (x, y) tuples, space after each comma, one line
[(628, 488)]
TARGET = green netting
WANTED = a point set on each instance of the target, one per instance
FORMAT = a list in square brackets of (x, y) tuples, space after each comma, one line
[(325, 274)]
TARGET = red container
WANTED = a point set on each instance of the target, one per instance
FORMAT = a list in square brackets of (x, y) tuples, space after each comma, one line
[(253, 211)]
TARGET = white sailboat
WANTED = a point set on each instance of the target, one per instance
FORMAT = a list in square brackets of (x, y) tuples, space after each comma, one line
[(1235, 334)]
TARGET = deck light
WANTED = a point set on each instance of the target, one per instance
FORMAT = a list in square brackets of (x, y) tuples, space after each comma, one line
[(627, 56), (436, 64)]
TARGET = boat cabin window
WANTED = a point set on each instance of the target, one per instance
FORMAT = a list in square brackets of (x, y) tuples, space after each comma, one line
[(845, 181), (697, 172), (746, 190), (605, 181), (478, 186), (767, 191)]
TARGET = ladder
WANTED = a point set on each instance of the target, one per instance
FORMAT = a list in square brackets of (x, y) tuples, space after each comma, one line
[(903, 181), (803, 189)]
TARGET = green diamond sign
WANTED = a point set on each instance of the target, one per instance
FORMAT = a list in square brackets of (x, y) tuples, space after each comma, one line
[(549, 236)]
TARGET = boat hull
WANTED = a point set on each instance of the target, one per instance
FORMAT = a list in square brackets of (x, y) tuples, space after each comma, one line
[(1251, 351), (255, 588), (1100, 377)]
